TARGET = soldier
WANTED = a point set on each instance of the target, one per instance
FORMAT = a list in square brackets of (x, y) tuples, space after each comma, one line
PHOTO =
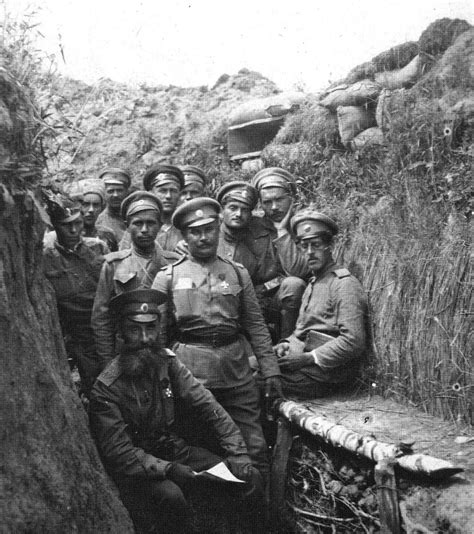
[(91, 195), (72, 264), (132, 413), (281, 269), (213, 307), (117, 183), (131, 268), (329, 340), (166, 182), (194, 183)]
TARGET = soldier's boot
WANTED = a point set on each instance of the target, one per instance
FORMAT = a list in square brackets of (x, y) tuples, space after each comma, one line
[(288, 322)]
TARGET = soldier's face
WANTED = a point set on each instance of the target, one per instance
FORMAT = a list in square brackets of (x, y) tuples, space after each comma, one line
[(139, 335), (114, 194), (91, 206), (236, 214), (69, 233), (275, 203), (143, 228), (318, 253), (191, 191), (169, 196), (202, 240)]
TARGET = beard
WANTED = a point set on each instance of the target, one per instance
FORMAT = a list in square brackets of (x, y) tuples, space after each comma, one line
[(136, 361)]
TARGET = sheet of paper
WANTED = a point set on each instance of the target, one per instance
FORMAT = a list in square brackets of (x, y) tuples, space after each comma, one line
[(221, 471)]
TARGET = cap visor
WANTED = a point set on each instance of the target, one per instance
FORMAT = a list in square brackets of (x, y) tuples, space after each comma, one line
[(144, 317), (71, 218), (201, 222)]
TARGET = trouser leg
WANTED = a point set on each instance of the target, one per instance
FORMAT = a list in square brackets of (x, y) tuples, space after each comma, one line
[(242, 404), (288, 301)]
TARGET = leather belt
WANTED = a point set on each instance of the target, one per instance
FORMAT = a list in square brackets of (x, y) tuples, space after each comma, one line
[(211, 339)]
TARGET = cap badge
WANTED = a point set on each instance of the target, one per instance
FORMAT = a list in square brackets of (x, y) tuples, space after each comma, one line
[(307, 228), (144, 307), (199, 213), (225, 285), (245, 193)]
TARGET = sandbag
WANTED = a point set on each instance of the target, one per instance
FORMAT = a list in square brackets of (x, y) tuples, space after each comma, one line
[(357, 94), (370, 137), (267, 108), (352, 120), (396, 79)]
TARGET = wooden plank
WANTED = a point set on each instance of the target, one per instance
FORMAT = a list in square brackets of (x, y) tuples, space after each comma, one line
[(279, 468), (387, 496)]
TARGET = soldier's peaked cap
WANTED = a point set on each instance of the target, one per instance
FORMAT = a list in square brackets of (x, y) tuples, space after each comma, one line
[(274, 177), (115, 175), (140, 305), (240, 191), (191, 172), (307, 223), (160, 173), (196, 212), (140, 201)]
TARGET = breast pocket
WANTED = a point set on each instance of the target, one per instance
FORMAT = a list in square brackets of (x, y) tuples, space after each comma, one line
[(228, 299), (188, 303), (126, 281), (63, 282)]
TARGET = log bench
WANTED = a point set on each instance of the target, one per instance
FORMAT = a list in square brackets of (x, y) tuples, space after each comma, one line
[(400, 440)]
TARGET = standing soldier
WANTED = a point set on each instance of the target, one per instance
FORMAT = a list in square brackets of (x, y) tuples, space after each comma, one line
[(329, 340), (194, 183), (133, 268), (72, 264), (217, 323), (117, 183), (166, 182)]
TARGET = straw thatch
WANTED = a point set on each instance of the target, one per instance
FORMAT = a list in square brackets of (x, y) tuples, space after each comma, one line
[(441, 34)]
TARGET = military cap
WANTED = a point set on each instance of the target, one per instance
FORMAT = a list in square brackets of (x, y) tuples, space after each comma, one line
[(307, 224), (240, 191), (159, 174), (196, 212), (193, 174), (140, 305), (87, 186), (62, 208), (140, 201), (274, 177), (115, 176)]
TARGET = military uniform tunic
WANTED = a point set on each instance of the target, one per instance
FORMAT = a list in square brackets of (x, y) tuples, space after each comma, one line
[(124, 270), (208, 300), (334, 303), (74, 275), (107, 219)]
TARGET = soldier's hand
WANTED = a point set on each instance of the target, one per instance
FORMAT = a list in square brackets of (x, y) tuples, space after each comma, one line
[(282, 226), (180, 474), (273, 389), (182, 248), (295, 361), (239, 465), (281, 349)]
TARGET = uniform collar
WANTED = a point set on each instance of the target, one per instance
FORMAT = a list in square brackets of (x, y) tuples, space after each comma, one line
[(329, 267), (64, 250)]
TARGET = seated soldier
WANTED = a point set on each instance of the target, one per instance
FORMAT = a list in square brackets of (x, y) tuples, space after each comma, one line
[(132, 414), (326, 348)]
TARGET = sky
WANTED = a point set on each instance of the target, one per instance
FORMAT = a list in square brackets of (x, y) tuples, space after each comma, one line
[(296, 43)]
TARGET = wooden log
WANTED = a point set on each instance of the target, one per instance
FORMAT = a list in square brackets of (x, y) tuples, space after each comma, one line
[(368, 446), (278, 472), (387, 497)]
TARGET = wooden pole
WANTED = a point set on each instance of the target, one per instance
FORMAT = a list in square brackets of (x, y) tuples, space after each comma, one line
[(278, 472), (340, 436), (387, 497)]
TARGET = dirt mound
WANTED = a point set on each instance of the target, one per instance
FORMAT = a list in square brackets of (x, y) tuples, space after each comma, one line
[(113, 124)]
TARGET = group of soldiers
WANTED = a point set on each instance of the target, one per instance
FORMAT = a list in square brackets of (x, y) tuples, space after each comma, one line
[(183, 313)]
